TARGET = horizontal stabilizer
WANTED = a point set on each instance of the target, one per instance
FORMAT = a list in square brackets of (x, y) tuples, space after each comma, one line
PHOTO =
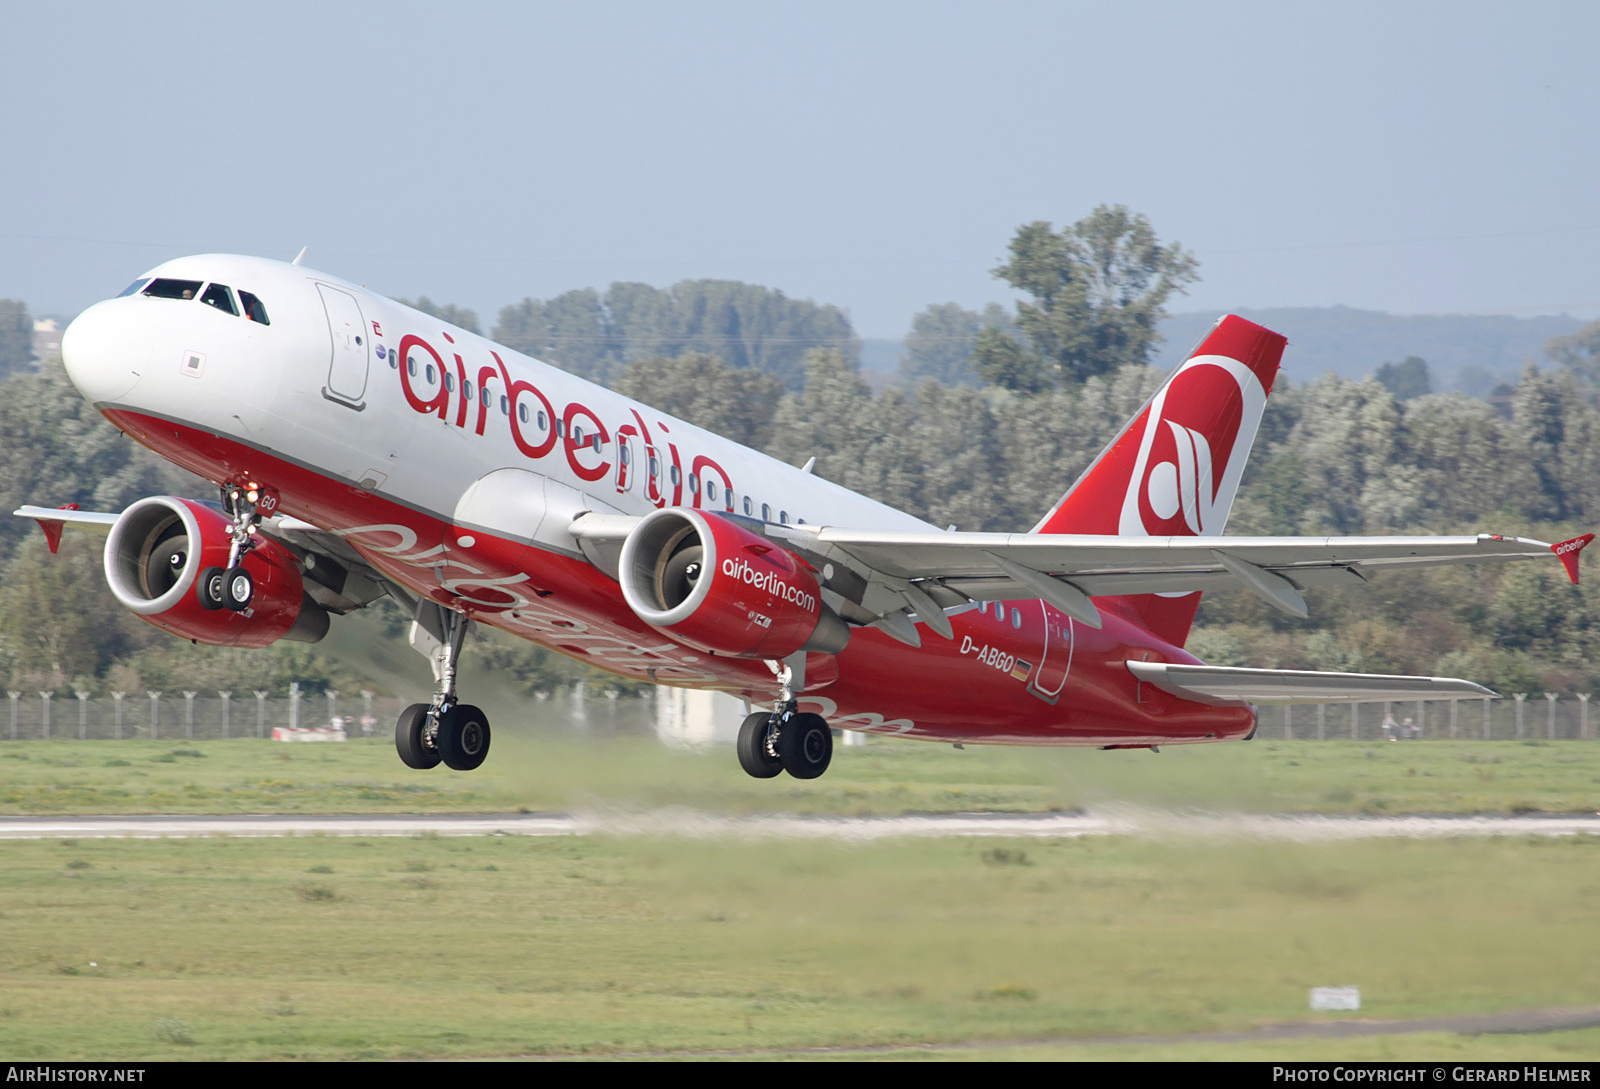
[(1226, 684)]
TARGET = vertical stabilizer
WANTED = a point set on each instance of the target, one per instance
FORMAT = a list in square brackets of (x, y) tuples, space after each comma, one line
[(1174, 470)]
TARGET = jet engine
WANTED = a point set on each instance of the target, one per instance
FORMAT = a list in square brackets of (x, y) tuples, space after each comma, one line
[(154, 556), (712, 584)]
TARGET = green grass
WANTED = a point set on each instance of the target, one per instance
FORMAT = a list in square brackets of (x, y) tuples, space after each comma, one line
[(320, 947), (528, 772)]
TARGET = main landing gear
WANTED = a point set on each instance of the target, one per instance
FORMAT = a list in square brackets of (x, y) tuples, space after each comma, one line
[(785, 739), (232, 587), (444, 730)]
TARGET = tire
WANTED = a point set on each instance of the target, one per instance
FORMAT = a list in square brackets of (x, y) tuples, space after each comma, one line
[(238, 589), (408, 739), (208, 588), (463, 737), (805, 745), (752, 746)]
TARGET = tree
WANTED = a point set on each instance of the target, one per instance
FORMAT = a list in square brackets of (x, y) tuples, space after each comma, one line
[(856, 438), (57, 619), (16, 337), (1580, 351), (706, 392), (458, 316), (1098, 289), (942, 341), (55, 449), (1406, 379), (747, 326)]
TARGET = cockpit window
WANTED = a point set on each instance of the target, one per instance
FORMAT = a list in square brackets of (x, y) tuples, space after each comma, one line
[(173, 289), (253, 308), (132, 289), (219, 296)]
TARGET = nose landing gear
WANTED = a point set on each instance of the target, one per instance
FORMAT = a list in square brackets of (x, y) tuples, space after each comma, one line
[(232, 587)]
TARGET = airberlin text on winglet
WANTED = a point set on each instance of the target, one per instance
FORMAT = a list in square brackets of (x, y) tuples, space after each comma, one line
[(1568, 553)]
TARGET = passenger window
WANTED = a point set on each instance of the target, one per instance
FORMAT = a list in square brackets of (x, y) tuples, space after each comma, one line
[(677, 476), (173, 289), (505, 407), (466, 385), (594, 441), (766, 512), (219, 296), (748, 506), (711, 490), (783, 516), (253, 308), (522, 414), (694, 483), (1016, 618)]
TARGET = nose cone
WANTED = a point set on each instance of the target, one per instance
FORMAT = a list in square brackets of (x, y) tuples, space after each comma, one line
[(105, 348)]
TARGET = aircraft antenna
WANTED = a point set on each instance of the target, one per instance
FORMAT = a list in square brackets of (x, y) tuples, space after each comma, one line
[(299, 256), (811, 463)]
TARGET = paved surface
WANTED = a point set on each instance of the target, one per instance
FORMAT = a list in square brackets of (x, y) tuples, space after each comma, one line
[(693, 824), (1504, 1023)]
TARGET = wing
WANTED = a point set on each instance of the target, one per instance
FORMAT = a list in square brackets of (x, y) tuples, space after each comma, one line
[(1067, 570), (336, 576), (891, 574)]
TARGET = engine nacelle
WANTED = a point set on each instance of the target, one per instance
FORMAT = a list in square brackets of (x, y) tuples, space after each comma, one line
[(713, 585), (155, 554)]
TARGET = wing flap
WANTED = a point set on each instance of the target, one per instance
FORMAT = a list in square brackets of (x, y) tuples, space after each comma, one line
[(1227, 684)]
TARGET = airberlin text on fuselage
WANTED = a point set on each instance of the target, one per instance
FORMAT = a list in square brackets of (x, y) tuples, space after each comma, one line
[(769, 582), (475, 400)]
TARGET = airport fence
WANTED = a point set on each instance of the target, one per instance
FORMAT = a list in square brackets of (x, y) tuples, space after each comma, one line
[(1520, 716), (194, 715)]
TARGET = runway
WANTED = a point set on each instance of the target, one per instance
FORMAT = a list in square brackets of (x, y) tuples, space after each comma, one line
[(692, 824)]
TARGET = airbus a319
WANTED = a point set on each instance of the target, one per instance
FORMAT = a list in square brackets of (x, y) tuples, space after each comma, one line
[(363, 449)]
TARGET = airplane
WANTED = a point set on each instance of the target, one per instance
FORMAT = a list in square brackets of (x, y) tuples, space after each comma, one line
[(363, 449)]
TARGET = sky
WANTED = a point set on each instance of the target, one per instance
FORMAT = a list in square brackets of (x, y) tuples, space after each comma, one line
[(1406, 157)]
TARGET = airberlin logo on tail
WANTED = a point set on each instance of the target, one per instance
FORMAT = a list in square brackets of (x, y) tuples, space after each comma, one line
[(770, 582), (1173, 486), (1197, 435)]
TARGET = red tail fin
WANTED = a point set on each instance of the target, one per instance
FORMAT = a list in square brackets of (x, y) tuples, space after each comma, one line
[(1174, 470)]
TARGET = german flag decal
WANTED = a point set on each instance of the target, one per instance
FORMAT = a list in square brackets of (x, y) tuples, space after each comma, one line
[(1020, 670)]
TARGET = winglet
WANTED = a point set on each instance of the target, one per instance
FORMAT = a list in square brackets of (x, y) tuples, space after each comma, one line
[(52, 529), (1568, 551)]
